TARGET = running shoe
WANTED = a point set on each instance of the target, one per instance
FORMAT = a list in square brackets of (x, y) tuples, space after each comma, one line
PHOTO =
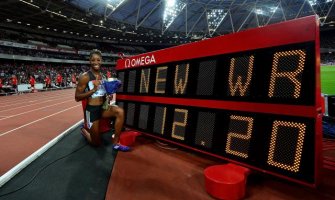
[(120, 147)]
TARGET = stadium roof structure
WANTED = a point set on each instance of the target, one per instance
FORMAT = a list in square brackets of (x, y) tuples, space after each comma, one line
[(158, 21)]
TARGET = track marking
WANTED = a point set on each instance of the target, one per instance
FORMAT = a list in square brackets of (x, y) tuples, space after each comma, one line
[(17, 168), (5, 133), (22, 102), (33, 110), (32, 104), (23, 98), (34, 99)]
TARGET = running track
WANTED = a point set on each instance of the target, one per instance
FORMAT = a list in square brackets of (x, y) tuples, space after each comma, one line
[(29, 121)]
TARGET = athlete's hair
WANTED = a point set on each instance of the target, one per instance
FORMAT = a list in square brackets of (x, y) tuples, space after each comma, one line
[(95, 51)]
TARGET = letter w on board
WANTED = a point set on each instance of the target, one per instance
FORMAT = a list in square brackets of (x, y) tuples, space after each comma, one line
[(181, 78)]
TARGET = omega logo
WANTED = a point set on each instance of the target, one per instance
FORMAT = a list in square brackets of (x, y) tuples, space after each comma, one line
[(140, 61)]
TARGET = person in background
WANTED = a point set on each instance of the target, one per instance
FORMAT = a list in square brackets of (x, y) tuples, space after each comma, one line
[(1, 86), (89, 87), (59, 80), (14, 83), (113, 98), (74, 80), (47, 81), (109, 74), (32, 83)]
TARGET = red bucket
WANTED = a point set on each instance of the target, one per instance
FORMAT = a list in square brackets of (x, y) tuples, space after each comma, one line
[(128, 137), (225, 182)]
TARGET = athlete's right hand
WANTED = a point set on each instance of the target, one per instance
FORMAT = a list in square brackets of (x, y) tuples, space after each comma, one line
[(96, 83)]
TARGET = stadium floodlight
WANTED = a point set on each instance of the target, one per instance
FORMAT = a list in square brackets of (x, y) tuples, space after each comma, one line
[(259, 11), (266, 11), (170, 3), (114, 4), (214, 19), (312, 2), (172, 10), (273, 9), (322, 8)]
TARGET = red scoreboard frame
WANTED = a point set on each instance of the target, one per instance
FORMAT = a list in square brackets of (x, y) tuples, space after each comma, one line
[(252, 98)]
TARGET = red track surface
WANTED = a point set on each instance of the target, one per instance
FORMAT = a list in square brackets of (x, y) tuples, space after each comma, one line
[(29, 121)]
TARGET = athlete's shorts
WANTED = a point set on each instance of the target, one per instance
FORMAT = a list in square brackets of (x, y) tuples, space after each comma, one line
[(92, 113)]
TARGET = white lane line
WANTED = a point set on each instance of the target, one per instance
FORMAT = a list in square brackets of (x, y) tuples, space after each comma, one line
[(31, 96), (10, 104), (5, 103), (12, 107), (5, 133), (15, 101), (15, 170), (32, 104), (34, 110)]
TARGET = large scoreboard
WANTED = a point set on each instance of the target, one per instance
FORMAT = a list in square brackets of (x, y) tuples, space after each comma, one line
[(252, 98)]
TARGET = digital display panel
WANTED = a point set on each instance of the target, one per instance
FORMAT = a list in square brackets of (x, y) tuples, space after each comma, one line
[(255, 104)]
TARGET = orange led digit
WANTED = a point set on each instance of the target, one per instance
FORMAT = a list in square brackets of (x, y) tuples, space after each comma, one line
[(232, 135), (179, 135), (273, 145)]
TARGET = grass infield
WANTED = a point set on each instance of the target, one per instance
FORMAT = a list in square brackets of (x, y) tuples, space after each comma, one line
[(328, 79)]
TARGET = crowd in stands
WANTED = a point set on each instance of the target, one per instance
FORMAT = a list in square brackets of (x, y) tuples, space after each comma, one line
[(327, 44), (41, 54), (328, 58), (72, 45), (327, 39), (12, 75)]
